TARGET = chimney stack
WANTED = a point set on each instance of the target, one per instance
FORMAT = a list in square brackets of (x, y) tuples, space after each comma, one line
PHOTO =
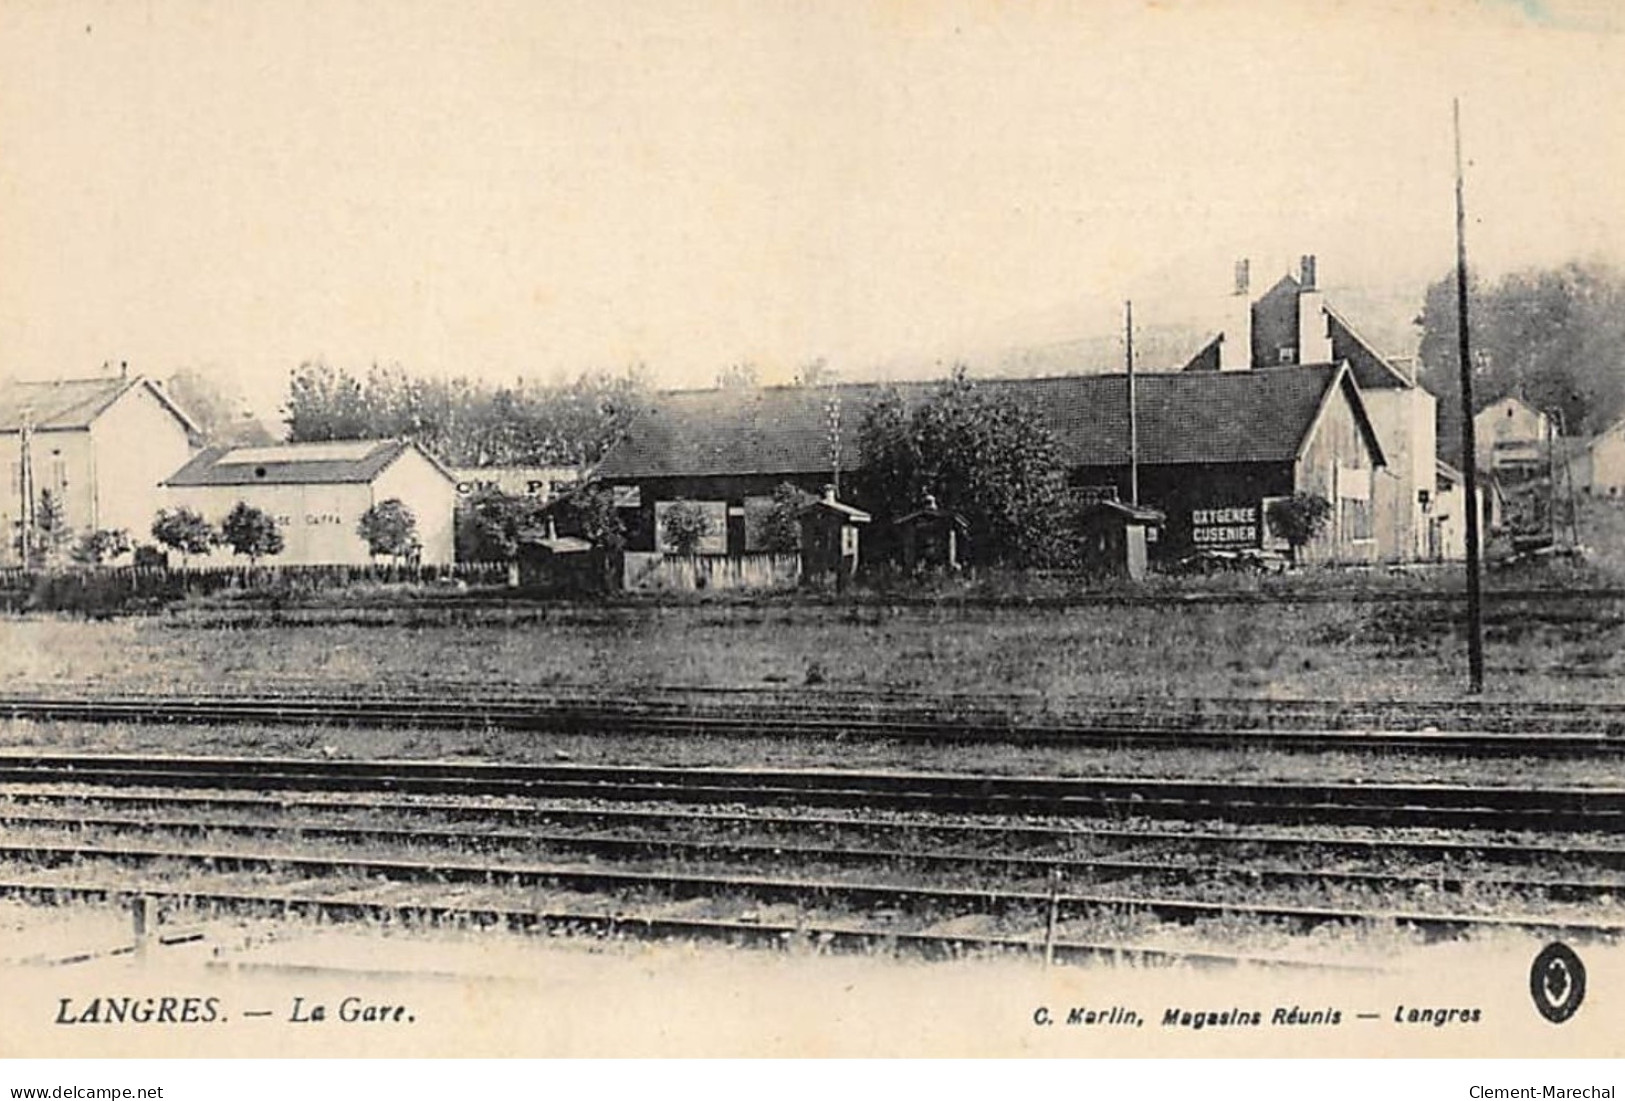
[(123, 368), (1236, 334), (1314, 326)]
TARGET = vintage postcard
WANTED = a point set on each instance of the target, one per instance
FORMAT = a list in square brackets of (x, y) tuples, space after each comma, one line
[(765, 530)]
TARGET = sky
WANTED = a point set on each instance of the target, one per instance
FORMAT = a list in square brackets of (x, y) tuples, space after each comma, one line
[(536, 188)]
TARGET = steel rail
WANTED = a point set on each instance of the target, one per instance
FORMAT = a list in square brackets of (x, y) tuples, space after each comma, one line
[(827, 936), (769, 889), (1384, 804), (1073, 867), (1540, 732), (965, 832)]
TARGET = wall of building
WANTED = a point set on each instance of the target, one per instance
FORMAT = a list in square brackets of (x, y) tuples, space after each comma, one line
[(137, 444), (1338, 466), (318, 522), (1510, 433), (1602, 472), (63, 462), (1405, 422), (431, 496)]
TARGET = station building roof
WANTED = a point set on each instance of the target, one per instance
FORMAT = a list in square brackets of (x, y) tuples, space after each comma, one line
[(1255, 416)]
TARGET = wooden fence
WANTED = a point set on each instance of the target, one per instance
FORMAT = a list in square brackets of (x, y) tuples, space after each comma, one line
[(691, 572), (92, 589)]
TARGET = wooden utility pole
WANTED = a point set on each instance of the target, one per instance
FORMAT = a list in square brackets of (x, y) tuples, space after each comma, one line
[(1133, 412), (1469, 442), (25, 488)]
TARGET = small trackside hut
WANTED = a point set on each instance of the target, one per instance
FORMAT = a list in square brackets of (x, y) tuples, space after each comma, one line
[(829, 539), (1115, 536), (931, 537)]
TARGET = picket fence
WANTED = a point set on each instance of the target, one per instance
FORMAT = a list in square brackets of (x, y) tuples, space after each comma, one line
[(692, 572)]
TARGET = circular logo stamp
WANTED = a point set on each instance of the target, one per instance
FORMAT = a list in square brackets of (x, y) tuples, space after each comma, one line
[(1557, 982)]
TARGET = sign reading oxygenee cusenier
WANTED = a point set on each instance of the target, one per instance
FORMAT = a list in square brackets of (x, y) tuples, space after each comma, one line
[(1230, 527)]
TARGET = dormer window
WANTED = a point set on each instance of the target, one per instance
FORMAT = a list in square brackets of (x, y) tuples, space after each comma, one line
[(1286, 354)]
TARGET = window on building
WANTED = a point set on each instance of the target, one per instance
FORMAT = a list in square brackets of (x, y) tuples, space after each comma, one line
[(1354, 519), (1286, 354)]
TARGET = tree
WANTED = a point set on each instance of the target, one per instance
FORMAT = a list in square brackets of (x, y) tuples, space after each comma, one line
[(685, 526), (50, 533), (984, 454), (1553, 338), (491, 527), (217, 406), (97, 547), (738, 376), (251, 532), (591, 513), (184, 531), (389, 527), (781, 529), (816, 372), (1299, 519)]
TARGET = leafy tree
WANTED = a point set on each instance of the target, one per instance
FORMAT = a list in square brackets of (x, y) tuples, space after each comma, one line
[(816, 372), (184, 531), (467, 422), (97, 547), (1553, 338), (984, 454), (218, 408), (1299, 519), (686, 526), (738, 376), (781, 528), (493, 525), (591, 514), (389, 527), (251, 532)]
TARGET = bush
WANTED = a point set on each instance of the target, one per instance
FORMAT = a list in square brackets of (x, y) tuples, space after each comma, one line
[(1299, 518), (96, 547), (781, 528), (686, 525)]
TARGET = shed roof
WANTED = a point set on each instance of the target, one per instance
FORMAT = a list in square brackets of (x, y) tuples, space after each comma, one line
[(56, 405), (1196, 417), (345, 461)]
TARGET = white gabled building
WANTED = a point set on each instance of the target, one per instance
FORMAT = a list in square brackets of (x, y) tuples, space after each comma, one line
[(99, 446), (317, 492)]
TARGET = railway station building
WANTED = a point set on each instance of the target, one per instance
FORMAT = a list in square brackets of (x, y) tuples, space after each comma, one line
[(99, 446), (317, 492), (1215, 448)]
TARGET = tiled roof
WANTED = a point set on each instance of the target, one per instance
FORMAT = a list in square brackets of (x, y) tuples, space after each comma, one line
[(1371, 368), (60, 404), (1197, 417), (291, 464)]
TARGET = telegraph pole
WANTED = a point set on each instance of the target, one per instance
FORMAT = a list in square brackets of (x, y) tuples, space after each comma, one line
[(1469, 442), (1133, 412), (25, 487)]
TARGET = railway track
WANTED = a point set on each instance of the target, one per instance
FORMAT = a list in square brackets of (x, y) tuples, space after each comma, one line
[(1464, 729), (1458, 806), (383, 840)]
